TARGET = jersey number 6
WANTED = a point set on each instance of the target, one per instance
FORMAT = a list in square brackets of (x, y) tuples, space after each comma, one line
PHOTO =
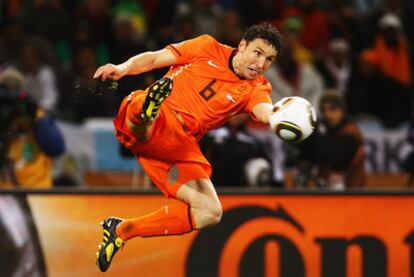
[(208, 92)]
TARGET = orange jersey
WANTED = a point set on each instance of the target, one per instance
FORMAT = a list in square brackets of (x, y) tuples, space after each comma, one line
[(206, 90)]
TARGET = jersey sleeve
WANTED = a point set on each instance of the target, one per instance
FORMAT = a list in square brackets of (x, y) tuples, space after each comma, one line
[(187, 50), (261, 94)]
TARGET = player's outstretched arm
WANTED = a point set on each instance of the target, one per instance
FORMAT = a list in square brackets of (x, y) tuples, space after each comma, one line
[(138, 64), (262, 112)]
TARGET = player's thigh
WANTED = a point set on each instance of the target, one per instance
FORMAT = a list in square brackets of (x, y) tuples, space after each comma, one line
[(198, 193), (170, 177)]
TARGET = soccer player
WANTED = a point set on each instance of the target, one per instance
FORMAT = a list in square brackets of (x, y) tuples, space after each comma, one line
[(208, 82)]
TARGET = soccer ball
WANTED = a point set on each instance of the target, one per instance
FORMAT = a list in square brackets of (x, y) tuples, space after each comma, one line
[(293, 119)]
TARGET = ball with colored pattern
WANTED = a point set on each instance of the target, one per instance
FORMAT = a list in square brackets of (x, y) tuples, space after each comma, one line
[(293, 119)]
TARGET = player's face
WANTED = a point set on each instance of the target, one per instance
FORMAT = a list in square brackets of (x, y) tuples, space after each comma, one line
[(255, 58), (333, 115)]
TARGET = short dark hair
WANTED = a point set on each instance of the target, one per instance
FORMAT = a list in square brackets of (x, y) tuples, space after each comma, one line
[(332, 97), (264, 31)]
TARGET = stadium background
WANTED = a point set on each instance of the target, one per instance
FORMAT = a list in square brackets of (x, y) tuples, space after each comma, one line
[(266, 231)]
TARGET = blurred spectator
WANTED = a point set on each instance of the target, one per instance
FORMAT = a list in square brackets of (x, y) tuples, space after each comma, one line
[(316, 30), (336, 146), (292, 30), (125, 41), (47, 19), (204, 12), (230, 28), (355, 20), (91, 26), (341, 17), (253, 12), (390, 52), (160, 20), (29, 138), (339, 72), (40, 77), (184, 28), (84, 34), (289, 78), (49, 22), (135, 13), (389, 63), (335, 67), (237, 157), (96, 14), (11, 39)]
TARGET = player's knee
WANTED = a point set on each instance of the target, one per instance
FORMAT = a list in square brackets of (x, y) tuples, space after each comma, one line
[(213, 214), (216, 213)]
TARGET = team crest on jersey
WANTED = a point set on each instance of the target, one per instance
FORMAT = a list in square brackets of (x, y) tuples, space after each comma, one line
[(242, 88)]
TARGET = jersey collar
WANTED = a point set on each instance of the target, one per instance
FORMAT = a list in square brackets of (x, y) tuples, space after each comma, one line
[(233, 53)]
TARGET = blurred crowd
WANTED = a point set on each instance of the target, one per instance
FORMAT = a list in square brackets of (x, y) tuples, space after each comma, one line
[(351, 59)]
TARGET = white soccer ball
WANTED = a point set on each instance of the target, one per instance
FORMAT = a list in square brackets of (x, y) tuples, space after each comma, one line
[(293, 119)]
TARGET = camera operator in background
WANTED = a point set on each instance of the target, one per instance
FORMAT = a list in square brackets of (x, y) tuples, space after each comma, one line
[(237, 156), (29, 138), (333, 156)]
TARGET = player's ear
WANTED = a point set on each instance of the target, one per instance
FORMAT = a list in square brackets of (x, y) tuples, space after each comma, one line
[(242, 45)]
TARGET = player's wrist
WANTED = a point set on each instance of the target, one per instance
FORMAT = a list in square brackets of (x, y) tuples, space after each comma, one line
[(123, 69)]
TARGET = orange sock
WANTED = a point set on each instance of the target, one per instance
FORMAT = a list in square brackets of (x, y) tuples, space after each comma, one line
[(172, 219)]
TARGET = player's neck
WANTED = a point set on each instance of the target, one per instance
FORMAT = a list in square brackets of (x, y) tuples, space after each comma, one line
[(235, 64)]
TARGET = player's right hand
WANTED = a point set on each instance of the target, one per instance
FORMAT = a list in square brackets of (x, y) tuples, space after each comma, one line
[(109, 71)]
